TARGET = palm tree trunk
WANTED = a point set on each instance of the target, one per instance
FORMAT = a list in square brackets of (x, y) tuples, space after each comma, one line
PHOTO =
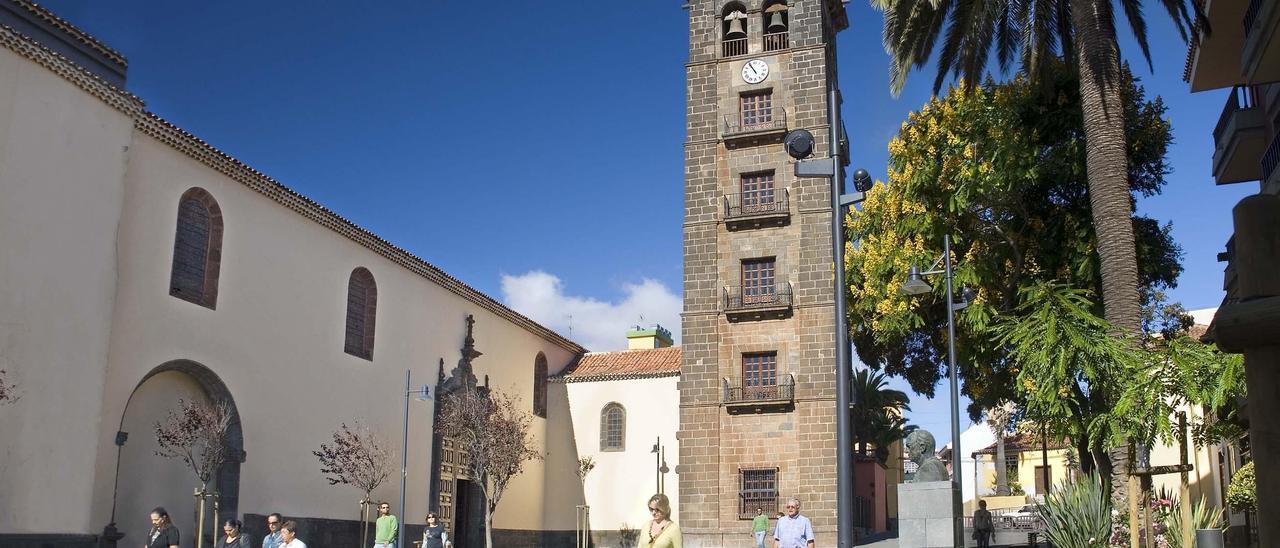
[(1098, 59), (1002, 470)]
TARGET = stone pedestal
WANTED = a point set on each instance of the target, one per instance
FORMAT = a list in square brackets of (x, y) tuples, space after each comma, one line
[(926, 514)]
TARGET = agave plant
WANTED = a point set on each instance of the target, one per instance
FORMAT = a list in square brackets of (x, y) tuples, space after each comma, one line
[(1077, 514), (1203, 516)]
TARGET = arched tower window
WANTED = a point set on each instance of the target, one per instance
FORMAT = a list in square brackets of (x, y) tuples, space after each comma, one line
[(613, 428), (362, 307), (733, 30), (540, 385), (197, 249), (775, 22)]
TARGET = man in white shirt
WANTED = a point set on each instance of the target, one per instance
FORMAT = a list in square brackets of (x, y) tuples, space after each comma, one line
[(289, 533), (793, 530)]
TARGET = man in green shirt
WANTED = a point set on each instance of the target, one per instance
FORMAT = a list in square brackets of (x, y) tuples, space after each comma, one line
[(759, 526), (386, 529)]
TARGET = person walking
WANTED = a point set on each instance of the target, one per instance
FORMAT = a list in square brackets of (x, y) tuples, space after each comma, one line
[(289, 533), (983, 526), (273, 539), (434, 536), (760, 526), (233, 536), (661, 532), (164, 534), (793, 530), (386, 528)]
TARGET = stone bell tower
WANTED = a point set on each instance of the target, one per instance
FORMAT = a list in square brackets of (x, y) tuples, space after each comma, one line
[(757, 388)]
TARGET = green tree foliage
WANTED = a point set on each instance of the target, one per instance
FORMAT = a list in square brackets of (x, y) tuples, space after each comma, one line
[(1001, 167), (878, 415), (1242, 494)]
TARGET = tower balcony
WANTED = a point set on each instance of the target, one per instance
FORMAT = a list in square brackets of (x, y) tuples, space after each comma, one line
[(753, 128), (1270, 161), (1239, 139), (734, 47), (753, 303), (739, 398), (775, 41), (757, 209)]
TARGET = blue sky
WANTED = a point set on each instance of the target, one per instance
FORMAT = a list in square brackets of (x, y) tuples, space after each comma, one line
[(535, 151)]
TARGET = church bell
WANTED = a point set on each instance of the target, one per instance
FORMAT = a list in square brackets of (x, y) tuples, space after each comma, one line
[(736, 27), (777, 18)]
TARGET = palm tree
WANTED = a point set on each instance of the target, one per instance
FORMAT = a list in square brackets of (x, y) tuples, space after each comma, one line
[(1000, 418), (1083, 33), (877, 413)]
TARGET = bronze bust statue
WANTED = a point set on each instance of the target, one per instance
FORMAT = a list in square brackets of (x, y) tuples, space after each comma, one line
[(922, 449)]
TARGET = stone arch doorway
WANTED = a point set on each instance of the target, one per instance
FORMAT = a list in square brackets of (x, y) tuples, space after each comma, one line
[(145, 480)]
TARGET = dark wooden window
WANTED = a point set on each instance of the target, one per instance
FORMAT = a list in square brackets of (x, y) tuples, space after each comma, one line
[(756, 109), (760, 369), (758, 280), (540, 385), (757, 192), (362, 306), (759, 490), (197, 249), (1043, 488), (613, 428)]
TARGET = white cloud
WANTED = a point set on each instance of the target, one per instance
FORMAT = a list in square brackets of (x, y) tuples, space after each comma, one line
[(596, 324)]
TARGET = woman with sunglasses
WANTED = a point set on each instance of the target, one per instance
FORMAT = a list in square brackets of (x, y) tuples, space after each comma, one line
[(434, 536), (661, 532), (234, 537)]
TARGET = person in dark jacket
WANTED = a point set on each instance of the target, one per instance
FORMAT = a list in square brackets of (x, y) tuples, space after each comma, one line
[(235, 538)]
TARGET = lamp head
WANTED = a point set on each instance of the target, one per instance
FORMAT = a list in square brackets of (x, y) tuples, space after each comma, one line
[(862, 180), (798, 143), (915, 283), (966, 297)]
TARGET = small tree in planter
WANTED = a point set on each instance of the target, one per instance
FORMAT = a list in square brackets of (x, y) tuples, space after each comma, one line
[(494, 433), (358, 457), (197, 433)]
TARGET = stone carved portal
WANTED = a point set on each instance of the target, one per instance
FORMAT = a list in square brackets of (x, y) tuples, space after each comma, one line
[(458, 499)]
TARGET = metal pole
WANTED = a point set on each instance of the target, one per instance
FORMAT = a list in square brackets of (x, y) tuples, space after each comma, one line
[(958, 522), (844, 367), (404, 455), (657, 465)]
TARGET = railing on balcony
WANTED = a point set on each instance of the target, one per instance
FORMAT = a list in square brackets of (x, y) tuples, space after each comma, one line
[(744, 123), (750, 298), (782, 391), (1240, 98), (775, 41), (762, 203), (735, 47), (1251, 16), (1271, 158), (750, 499)]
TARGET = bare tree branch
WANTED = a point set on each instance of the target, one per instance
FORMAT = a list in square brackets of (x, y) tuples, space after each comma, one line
[(358, 457)]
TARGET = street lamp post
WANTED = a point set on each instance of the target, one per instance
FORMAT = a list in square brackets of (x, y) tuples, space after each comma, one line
[(421, 393), (916, 285)]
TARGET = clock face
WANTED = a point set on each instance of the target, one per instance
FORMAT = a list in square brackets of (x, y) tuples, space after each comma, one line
[(755, 71)]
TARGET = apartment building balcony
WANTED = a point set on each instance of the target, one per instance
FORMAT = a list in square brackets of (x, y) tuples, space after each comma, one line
[(1213, 60), (1270, 162), (758, 209), (752, 128), (780, 396), (1260, 59), (1239, 139), (760, 302)]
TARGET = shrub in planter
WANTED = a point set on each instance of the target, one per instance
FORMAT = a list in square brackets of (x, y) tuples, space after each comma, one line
[(1242, 494), (1078, 514)]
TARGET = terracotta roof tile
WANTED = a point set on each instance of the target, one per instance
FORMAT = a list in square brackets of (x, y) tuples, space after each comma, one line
[(648, 362), (1020, 443)]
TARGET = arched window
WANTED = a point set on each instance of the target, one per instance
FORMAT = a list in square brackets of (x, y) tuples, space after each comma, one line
[(362, 307), (774, 20), (540, 385), (733, 29), (197, 249), (613, 428)]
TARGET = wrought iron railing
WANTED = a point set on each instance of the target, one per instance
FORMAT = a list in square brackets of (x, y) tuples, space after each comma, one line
[(1011, 521), (735, 47), (744, 298), (751, 204), (862, 512), (782, 391), (735, 124), (1240, 98), (750, 499), (775, 41), (1271, 158), (1251, 16)]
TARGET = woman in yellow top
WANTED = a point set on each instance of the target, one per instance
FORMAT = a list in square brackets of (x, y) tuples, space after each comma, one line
[(661, 532)]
